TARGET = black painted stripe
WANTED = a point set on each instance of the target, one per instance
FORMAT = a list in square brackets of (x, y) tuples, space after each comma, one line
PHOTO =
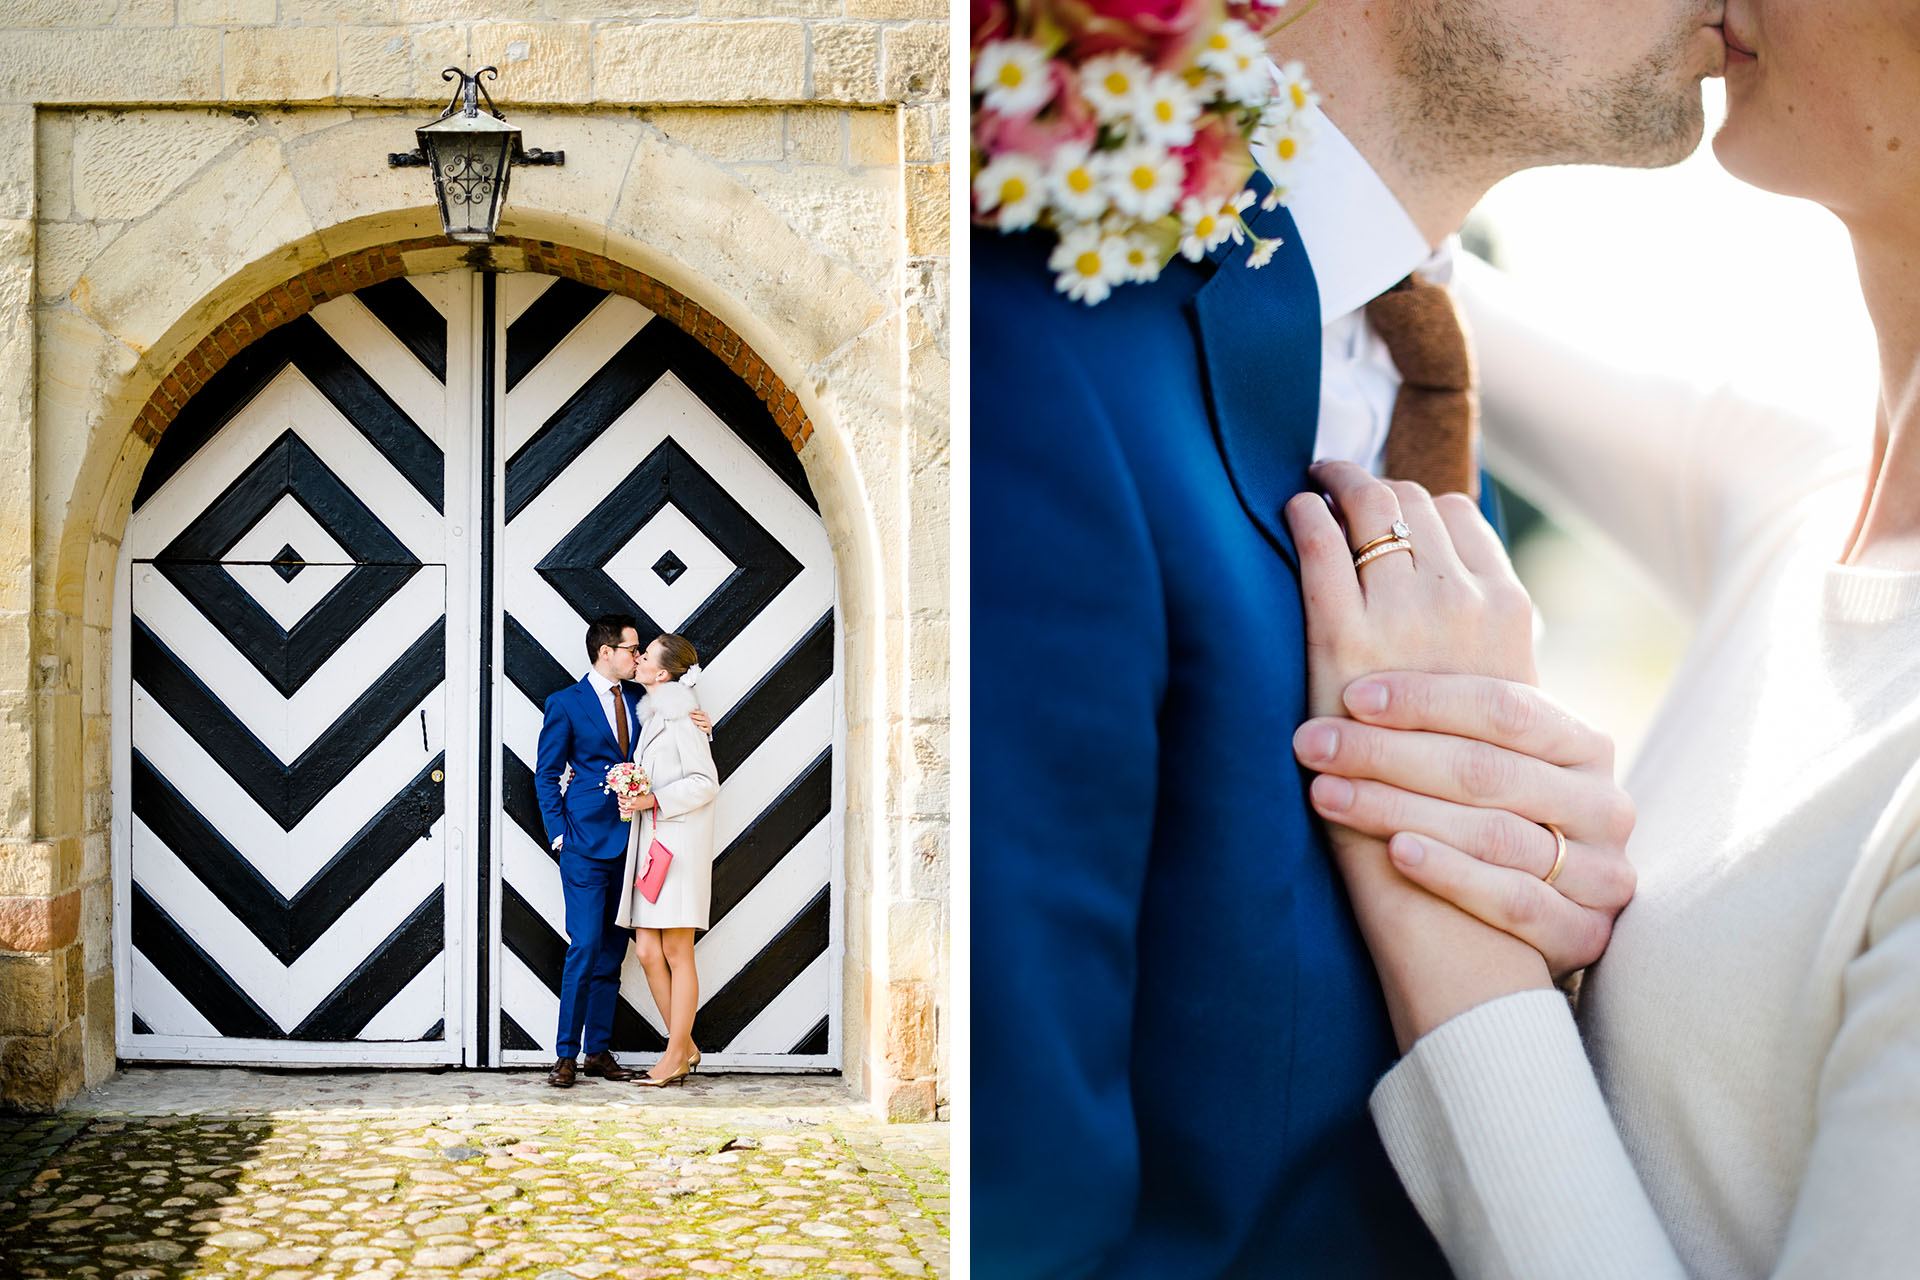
[(781, 961), (531, 668), (438, 1031), (779, 693), (213, 406), (543, 326), (140, 1027), (289, 792), (520, 800), (512, 1036), (376, 980), (763, 567), (752, 854), (587, 413), (367, 406), (544, 952), (409, 317), (194, 974), (288, 465), (287, 927), (815, 1041)]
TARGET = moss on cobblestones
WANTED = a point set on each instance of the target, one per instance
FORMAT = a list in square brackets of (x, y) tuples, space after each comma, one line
[(473, 1192)]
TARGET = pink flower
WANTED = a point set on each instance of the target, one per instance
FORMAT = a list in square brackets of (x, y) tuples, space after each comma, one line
[(1218, 162), (992, 20), (1161, 31), (1257, 14), (1067, 118)]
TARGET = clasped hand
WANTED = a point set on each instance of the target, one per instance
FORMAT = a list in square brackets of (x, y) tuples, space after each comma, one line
[(632, 805), (1429, 733)]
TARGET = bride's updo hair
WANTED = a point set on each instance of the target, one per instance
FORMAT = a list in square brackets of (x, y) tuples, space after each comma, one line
[(676, 654)]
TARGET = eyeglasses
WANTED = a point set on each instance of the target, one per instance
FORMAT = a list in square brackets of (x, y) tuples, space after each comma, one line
[(631, 647)]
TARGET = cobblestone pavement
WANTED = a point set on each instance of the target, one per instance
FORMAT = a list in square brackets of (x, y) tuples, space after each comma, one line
[(286, 1176)]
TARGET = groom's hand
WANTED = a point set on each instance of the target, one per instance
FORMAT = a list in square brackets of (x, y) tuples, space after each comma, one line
[(1458, 772)]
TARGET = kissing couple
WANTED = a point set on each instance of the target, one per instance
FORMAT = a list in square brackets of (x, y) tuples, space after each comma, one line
[(636, 706), (1287, 855)]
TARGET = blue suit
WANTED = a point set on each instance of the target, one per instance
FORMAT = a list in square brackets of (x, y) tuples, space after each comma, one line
[(593, 850), (1175, 1021)]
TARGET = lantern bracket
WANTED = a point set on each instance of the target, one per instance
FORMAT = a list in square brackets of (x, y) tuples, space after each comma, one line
[(466, 99)]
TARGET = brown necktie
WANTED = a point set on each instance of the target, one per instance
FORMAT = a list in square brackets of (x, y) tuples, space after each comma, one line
[(620, 720), (1436, 414)]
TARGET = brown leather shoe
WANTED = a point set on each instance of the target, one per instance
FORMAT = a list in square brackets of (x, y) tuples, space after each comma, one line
[(562, 1075), (602, 1064)]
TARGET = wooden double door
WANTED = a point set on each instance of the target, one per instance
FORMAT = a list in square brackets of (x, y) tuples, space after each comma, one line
[(358, 562)]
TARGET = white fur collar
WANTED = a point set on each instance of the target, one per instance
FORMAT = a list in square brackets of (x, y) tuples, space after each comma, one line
[(670, 700)]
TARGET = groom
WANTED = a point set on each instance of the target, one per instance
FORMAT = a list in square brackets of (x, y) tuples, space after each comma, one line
[(590, 727), (1176, 1024)]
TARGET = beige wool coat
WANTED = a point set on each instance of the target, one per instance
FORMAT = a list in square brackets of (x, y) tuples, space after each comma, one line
[(679, 763)]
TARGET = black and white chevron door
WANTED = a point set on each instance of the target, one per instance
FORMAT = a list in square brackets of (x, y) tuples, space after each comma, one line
[(644, 477), (285, 651), (357, 564)]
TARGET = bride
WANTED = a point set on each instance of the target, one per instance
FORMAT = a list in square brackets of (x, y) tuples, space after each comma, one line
[(1739, 1094)]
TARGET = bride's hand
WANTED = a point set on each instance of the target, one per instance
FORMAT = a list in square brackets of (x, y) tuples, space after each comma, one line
[(1451, 604), (1459, 774)]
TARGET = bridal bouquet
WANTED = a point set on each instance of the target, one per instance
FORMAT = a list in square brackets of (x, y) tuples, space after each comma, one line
[(1126, 127), (627, 779)]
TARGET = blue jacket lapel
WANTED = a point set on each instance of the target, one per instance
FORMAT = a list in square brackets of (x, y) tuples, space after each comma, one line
[(1259, 333), (596, 714)]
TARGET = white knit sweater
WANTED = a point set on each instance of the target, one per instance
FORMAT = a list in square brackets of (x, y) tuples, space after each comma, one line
[(1752, 1107)]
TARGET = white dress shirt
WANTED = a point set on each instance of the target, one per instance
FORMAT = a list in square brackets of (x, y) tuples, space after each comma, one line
[(1360, 242), (604, 688)]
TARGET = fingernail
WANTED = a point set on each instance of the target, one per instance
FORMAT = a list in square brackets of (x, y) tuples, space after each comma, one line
[(1406, 850), (1366, 697), (1331, 793), (1316, 742)]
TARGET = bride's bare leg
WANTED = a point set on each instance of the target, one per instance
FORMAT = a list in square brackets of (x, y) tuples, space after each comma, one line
[(678, 946), (653, 963)]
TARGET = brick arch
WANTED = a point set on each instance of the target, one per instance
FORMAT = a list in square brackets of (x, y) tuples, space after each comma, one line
[(358, 270)]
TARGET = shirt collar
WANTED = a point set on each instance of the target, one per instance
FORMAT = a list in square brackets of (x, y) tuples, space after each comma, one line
[(1359, 240), (601, 685)]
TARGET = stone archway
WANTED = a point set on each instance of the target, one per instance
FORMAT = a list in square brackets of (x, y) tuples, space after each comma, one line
[(123, 350)]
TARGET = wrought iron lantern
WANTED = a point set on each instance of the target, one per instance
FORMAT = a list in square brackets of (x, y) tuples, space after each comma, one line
[(472, 154)]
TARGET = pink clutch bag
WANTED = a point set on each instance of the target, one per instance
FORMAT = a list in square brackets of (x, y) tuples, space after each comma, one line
[(656, 873)]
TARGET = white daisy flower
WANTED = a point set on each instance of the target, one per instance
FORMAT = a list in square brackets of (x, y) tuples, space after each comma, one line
[(1236, 55), (1143, 180), (1164, 111), (1281, 139), (1206, 224), (1075, 185), (1293, 91), (1012, 74), (1089, 262), (1143, 259), (1014, 184), (1263, 251), (1112, 81)]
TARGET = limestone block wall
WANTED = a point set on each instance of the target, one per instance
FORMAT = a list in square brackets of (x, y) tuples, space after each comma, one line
[(165, 165)]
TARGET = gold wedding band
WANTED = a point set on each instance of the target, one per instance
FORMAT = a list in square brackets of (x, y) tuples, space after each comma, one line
[(1396, 532), (1559, 852), (1383, 549)]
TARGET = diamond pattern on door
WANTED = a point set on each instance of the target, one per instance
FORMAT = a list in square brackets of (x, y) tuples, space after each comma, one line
[(644, 477), (286, 647)]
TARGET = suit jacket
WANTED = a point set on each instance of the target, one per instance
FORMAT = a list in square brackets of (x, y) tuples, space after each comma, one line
[(1176, 1023), (576, 732)]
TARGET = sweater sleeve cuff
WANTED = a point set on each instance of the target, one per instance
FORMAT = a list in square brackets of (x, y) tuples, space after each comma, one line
[(1496, 1125)]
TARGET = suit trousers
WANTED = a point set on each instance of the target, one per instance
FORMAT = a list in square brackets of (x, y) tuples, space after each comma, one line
[(590, 978)]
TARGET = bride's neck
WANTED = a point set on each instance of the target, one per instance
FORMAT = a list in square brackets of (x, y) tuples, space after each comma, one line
[(1887, 534)]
